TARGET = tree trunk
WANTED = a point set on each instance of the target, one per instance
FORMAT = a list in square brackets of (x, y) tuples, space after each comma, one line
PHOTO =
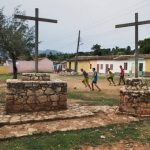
[(14, 69)]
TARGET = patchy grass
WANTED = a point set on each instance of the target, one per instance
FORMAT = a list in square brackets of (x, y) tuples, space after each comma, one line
[(148, 82), (95, 98), (2, 101), (1, 87), (71, 140), (2, 94), (9, 76)]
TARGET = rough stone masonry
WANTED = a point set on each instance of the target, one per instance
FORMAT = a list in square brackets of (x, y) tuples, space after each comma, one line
[(135, 98), (35, 92)]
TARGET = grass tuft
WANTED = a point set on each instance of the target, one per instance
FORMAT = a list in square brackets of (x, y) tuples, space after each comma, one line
[(95, 98), (136, 131)]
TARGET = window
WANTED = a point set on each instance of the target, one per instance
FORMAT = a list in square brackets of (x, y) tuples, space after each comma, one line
[(101, 66), (111, 66), (140, 66), (125, 66), (90, 66)]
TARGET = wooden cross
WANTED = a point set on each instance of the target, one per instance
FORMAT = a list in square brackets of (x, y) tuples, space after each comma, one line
[(36, 19), (136, 23)]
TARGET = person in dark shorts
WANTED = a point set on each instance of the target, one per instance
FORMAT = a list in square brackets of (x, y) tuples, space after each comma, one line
[(85, 81), (95, 80), (121, 75), (111, 76)]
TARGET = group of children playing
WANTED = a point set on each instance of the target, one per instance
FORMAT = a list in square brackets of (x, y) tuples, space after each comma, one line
[(85, 81)]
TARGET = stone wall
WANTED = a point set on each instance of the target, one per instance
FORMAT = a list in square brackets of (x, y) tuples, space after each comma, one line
[(35, 77), (25, 96), (135, 97)]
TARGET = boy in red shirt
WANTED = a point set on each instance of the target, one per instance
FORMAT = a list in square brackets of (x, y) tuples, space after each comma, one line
[(121, 76)]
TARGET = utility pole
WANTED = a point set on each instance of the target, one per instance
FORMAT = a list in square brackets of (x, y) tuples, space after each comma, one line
[(77, 51)]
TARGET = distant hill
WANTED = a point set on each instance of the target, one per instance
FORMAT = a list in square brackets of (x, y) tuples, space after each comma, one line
[(48, 51)]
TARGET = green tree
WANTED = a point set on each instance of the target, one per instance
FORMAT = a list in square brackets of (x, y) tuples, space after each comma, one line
[(97, 49), (52, 57), (27, 56), (106, 51), (42, 55), (144, 46), (115, 50), (16, 37), (120, 53)]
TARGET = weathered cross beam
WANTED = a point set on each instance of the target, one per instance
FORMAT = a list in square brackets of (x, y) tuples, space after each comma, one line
[(36, 19), (136, 23)]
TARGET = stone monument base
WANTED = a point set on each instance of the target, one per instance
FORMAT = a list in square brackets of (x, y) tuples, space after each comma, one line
[(35, 94), (135, 98)]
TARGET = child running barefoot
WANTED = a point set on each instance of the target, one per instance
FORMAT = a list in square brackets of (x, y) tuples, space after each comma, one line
[(95, 80), (111, 76), (85, 81)]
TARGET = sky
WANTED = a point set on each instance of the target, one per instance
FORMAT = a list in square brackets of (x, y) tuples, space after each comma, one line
[(96, 20)]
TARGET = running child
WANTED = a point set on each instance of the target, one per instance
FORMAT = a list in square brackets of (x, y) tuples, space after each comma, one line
[(85, 81), (111, 76), (95, 80)]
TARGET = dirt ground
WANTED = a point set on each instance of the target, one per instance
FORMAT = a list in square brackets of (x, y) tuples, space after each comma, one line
[(122, 145), (74, 81), (99, 117)]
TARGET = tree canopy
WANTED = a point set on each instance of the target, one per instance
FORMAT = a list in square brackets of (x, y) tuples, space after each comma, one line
[(16, 37), (144, 46), (97, 49)]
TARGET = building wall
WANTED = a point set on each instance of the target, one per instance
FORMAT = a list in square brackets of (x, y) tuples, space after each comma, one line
[(85, 65), (147, 67), (44, 65), (72, 65), (4, 69), (139, 61), (94, 65), (116, 64), (67, 64), (81, 64)]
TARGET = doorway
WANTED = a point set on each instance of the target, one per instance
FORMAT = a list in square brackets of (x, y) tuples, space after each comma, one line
[(106, 71), (133, 67), (97, 68), (70, 65)]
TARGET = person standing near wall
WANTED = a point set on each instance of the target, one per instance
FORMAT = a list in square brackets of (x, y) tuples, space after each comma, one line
[(121, 76)]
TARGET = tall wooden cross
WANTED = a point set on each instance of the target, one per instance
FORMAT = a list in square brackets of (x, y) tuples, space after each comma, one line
[(136, 23), (36, 19)]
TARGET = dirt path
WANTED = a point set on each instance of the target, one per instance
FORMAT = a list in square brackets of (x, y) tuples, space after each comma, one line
[(102, 116), (76, 81), (122, 145), (2, 82)]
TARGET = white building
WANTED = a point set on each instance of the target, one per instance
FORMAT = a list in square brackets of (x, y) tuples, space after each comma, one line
[(114, 63)]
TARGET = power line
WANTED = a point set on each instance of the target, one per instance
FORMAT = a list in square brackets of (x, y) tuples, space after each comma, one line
[(115, 18), (68, 35), (117, 12)]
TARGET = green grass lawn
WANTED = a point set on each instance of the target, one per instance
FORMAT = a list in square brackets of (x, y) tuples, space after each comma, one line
[(94, 98), (72, 140), (9, 76)]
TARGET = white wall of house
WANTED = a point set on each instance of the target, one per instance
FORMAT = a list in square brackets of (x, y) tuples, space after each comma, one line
[(115, 63), (132, 61)]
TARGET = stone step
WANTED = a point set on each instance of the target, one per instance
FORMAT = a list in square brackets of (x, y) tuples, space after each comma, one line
[(73, 111)]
